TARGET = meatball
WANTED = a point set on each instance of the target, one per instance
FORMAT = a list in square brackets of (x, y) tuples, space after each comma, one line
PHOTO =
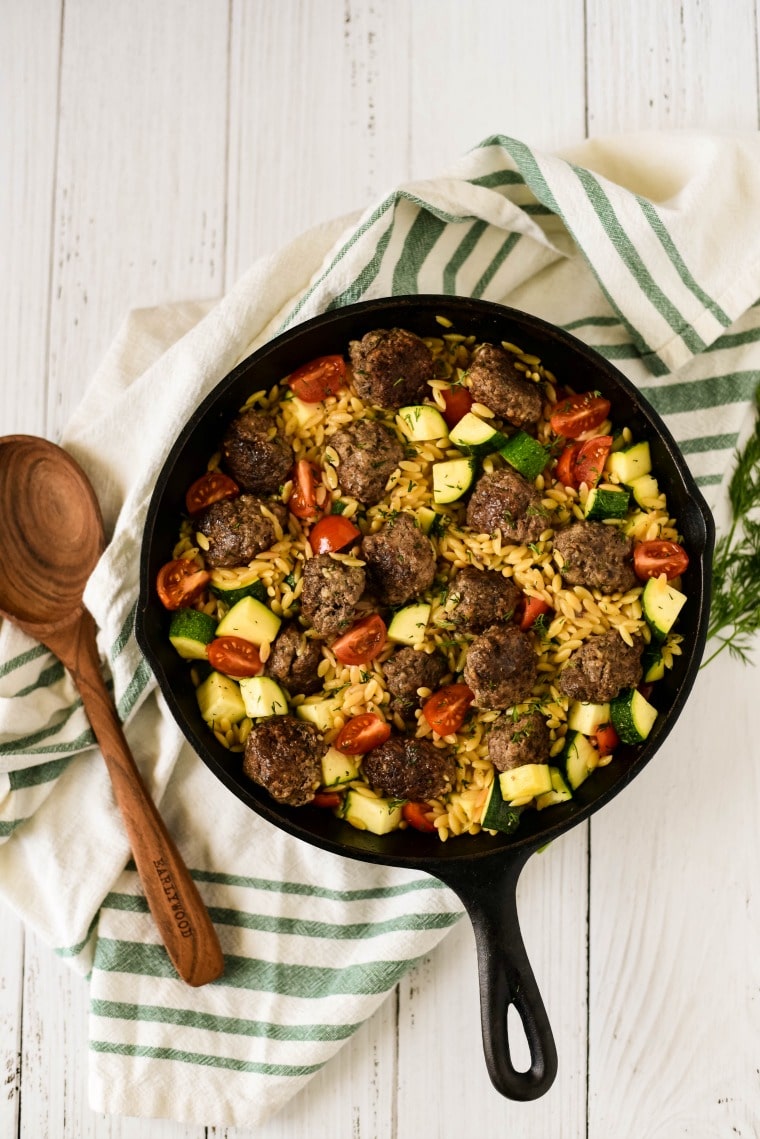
[(294, 660), (331, 590), (406, 671), (368, 453), (501, 667), (284, 755), (391, 367), (601, 668), (479, 598), (515, 741), (505, 501), (496, 382), (596, 555), (404, 768), (400, 560), (255, 454), (237, 529)]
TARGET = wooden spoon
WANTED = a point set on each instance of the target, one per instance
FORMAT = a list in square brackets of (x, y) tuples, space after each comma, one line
[(51, 536)]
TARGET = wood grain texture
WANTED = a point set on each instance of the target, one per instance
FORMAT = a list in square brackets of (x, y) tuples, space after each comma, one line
[(155, 151)]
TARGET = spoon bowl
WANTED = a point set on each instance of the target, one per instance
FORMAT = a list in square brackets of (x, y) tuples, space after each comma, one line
[(50, 541)]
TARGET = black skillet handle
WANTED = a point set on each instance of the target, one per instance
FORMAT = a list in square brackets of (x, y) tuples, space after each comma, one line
[(506, 977)]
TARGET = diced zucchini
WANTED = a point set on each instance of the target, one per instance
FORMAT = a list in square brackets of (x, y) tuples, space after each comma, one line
[(586, 718), (632, 716), (579, 759), (646, 492), (338, 768), (525, 454), (426, 517), (452, 479), (263, 696), (602, 504), (251, 620), (408, 625), (231, 589), (498, 815), (560, 792), (191, 632), (476, 436), (525, 782), (319, 712), (631, 463), (653, 663), (219, 698), (421, 422), (380, 816), (661, 604)]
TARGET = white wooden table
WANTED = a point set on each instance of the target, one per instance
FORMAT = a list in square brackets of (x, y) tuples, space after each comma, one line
[(149, 151)]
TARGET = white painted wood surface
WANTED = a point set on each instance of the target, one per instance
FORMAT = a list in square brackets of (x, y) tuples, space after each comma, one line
[(149, 150)]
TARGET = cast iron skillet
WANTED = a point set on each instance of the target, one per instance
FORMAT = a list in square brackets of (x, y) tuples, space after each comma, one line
[(482, 870)]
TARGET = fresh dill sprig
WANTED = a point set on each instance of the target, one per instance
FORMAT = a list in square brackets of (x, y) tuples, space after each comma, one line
[(735, 600)]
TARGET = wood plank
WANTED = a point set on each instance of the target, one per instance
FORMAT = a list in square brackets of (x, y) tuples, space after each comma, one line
[(11, 1006), (660, 66), (480, 69), (440, 1015), (140, 198), (675, 924), (29, 67), (319, 95)]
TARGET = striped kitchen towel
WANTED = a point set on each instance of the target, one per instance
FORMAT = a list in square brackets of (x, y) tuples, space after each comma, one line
[(645, 247)]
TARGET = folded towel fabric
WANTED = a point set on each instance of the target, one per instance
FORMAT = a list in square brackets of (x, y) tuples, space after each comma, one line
[(643, 246)]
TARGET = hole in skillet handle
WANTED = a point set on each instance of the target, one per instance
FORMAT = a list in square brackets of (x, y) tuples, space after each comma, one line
[(507, 983)]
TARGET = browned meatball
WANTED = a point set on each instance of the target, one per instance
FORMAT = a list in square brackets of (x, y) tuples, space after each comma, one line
[(283, 755), (237, 529), (294, 661), (331, 590), (501, 667), (496, 382), (391, 367), (409, 769), (406, 671), (601, 668), (596, 555), (369, 454), (400, 560), (513, 742), (255, 454), (505, 501), (479, 598)]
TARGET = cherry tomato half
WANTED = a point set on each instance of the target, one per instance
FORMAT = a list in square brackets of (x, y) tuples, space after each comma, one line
[(530, 609), (179, 583), (579, 413), (318, 379), (363, 642), (326, 799), (607, 739), (235, 656), (458, 402), (361, 733), (565, 470), (446, 709), (303, 499), (590, 459), (418, 816), (211, 487), (332, 533), (650, 559)]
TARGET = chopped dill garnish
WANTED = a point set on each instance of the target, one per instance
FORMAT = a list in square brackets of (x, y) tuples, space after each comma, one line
[(735, 599)]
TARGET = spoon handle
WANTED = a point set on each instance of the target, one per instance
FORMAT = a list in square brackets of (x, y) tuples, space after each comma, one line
[(178, 909)]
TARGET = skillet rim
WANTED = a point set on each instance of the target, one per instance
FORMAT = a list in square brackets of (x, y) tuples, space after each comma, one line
[(415, 850)]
